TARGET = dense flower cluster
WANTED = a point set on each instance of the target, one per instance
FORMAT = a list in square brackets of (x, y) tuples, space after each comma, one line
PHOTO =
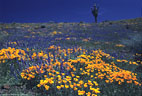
[(11, 53), (77, 70)]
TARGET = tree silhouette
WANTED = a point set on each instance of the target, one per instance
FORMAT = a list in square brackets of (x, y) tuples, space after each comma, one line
[(95, 10)]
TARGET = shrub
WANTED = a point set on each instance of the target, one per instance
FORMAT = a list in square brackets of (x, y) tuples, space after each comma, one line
[(43, 26)]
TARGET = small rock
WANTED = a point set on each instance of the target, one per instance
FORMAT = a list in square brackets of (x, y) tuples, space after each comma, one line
[(5, 87)]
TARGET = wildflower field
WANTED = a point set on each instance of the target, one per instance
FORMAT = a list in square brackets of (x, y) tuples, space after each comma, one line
[(71, 59)]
